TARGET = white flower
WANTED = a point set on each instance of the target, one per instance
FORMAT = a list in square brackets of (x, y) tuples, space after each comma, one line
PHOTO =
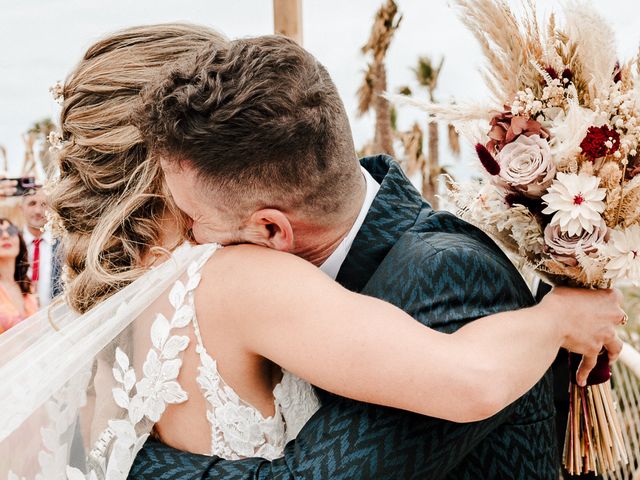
[(523, 228), (487, 200), (526, 165), (576, 202), (568, 130), (57, 91), (55, 140), (623, 251)]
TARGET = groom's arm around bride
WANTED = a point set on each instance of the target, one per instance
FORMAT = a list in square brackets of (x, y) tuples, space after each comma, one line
[(444, 273)]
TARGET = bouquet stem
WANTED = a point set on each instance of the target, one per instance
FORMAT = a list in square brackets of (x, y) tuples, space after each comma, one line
[(593, 440)]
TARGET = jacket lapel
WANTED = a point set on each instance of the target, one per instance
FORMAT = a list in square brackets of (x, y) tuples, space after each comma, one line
[(393, 212)]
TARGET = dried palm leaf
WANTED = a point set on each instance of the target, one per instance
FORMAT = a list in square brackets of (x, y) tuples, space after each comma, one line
[(385, 24), (427, 74)]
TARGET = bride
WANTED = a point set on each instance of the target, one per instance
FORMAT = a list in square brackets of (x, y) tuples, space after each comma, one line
[(144, 343)]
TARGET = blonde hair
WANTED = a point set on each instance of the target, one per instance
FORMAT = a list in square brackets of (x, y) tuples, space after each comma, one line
[(110, 194)]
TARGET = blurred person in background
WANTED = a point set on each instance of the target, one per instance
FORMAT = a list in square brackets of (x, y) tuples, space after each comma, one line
[(44, 268), (16, 300)]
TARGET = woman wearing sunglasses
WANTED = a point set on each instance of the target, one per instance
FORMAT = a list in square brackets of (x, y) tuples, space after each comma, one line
[(16, 300)]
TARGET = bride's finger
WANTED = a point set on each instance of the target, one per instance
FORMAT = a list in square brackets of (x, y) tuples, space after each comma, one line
[(584, 369)]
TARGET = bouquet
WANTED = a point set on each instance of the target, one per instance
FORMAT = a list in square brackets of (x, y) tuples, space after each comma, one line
[(559, 144)]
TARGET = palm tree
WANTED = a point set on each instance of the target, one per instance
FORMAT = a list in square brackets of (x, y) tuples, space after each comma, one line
[(413, 153), (37, 138), (427, 75), (385, 24)]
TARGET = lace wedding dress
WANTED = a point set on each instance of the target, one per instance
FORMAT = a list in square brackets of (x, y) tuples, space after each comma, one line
[(80, 393)]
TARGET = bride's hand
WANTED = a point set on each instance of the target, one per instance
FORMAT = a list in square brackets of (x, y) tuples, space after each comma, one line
[(587, 319)]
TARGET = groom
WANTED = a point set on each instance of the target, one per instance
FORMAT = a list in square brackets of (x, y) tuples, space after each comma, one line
[(257, 148)]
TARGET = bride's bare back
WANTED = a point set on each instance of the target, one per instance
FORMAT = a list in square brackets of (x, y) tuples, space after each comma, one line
[(239, 404)]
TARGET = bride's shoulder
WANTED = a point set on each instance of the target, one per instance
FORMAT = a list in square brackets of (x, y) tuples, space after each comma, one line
[(249, 263), (238, 283), (254, 255)]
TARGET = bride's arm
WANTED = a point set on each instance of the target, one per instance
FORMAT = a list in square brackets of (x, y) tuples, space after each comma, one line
[(284, 309)]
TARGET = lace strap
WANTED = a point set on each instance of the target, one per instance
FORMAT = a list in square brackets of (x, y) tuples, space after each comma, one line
[(196, 330), (194, 276)]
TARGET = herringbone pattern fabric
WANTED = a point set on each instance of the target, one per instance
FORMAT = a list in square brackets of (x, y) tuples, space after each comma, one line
[(445, 273)]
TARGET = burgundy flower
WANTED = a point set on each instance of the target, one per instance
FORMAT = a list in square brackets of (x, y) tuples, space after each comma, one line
[(506, 127), (552, 72), (617, 73), (534, 205), (487, 160), (567, 75), (594, 144), (633, 168)]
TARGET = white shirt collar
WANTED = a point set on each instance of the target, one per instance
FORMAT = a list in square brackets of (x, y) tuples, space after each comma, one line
[(29, 237), (331, 265)]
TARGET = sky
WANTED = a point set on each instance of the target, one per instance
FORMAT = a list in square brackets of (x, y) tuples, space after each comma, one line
[(42, 40)]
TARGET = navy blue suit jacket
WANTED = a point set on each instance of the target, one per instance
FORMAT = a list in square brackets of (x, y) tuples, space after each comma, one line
[(444, 273)]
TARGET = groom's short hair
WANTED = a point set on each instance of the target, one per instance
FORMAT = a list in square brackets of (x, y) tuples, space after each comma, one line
[(259, 115)]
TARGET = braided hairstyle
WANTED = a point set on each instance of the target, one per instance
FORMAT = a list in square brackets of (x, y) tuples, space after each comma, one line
[(110, 195)]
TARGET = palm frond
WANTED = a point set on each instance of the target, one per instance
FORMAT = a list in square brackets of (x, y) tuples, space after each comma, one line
[(385, 24)]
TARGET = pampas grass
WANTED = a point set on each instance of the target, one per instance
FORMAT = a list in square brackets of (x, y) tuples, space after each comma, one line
[(594, 42), (448, 112), (505, 45)]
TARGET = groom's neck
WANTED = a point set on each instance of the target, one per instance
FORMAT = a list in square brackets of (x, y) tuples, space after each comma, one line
[(316, 242)]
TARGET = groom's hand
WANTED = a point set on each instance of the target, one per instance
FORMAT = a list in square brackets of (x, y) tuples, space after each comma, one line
[(587, 319)]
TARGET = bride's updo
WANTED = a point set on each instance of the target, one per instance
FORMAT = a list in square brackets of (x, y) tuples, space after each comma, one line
[(111, 194)]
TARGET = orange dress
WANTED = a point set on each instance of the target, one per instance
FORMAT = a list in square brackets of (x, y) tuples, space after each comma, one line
[(10, 314)]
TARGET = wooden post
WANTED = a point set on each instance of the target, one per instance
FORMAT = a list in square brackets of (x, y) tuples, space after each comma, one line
[(287, 18)]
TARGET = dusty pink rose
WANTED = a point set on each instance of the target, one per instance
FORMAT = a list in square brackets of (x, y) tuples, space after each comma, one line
[(563, 247), (505, 128), (526, 166)]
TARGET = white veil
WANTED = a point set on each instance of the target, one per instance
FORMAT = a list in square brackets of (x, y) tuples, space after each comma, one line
[(79, 394)]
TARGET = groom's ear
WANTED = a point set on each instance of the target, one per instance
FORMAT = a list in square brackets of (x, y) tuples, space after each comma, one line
[(270, 228)]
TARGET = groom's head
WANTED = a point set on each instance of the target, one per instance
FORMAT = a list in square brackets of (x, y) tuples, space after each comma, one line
[(256, 146)]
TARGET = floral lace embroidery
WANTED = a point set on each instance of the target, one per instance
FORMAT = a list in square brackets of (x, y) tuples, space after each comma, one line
[(239, 430), (152, 393), (297, 401)]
